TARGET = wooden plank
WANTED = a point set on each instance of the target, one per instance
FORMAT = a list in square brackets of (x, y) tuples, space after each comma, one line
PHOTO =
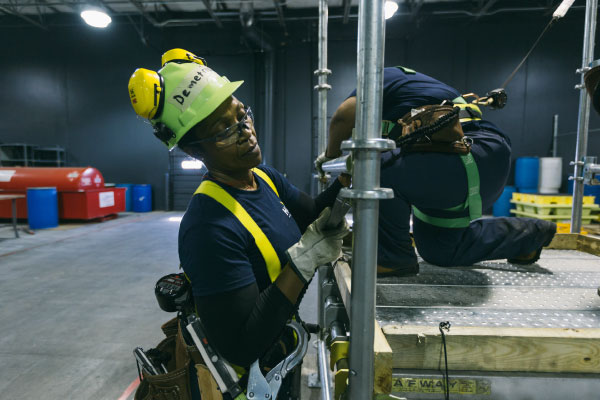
[(382, 352), (564, 241), (343, 276), (496, 349), (573, 241), (589, 244)]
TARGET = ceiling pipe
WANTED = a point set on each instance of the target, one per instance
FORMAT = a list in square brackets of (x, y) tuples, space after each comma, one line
[(23, 17), (484, 9), (280, 17), (212, 13), (346, 5)]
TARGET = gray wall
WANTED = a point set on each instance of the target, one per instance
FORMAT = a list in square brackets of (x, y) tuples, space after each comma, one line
[(455, 53), (67, 86)]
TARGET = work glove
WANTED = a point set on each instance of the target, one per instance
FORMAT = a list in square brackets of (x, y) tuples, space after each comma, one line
[(322, 158), (317, 246)]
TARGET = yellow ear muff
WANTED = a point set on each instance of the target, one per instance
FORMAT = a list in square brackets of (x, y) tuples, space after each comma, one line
[(146, 93), (181, 55)]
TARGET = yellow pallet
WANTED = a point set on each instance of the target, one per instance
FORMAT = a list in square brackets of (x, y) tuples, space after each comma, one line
[(563, 210), (585, 219), (546, 199), (565, 227)]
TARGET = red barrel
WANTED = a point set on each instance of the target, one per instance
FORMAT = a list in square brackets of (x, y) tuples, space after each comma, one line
[(64, 179)]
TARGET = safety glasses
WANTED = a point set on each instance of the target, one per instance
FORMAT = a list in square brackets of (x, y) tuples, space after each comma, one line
[(230, 135)]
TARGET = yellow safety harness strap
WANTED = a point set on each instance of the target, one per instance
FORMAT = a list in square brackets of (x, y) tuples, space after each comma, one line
[(266, 178), (468, 112), (217, 193)]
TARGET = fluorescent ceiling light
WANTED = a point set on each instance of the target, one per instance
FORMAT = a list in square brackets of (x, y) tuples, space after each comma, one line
[(192, 164), (96, 18), (390, 9)]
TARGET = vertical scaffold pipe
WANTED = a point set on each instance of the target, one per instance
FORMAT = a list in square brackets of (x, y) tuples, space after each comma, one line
[(366, 144), (322, 86), (589, 33)]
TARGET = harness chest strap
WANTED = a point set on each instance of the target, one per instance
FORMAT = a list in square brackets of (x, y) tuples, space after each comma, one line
[(217, 193), (473, 201)]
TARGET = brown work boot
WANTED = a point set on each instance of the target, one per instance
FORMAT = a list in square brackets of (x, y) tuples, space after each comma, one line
[(526, 259), (383, 272)]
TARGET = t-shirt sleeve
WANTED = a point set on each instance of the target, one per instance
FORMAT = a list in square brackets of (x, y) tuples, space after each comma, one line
[(213, 255)]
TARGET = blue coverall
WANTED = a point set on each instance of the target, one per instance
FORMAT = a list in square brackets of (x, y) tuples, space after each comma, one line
[(436, 181)]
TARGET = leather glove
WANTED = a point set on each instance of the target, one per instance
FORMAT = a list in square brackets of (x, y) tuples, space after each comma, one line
[(322, 158), (317, 246)]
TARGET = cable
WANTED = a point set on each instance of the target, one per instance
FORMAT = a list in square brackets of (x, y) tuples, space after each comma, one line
[(446, 326), (560, 12), (528, 53)]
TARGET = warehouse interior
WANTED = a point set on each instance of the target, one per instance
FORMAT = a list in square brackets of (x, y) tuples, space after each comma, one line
[(79, 295)]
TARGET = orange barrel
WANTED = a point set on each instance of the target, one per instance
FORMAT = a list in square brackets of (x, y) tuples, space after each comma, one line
[(65, 179)]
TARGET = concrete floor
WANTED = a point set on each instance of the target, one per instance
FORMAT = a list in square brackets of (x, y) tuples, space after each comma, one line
[(76, 301), (78, 298)]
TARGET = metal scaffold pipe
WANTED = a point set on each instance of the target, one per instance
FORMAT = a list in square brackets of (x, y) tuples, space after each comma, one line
[(366, 144), (322, 86), (589, 33)]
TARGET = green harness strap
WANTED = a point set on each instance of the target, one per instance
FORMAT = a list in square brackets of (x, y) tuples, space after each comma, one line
[(473, 201)]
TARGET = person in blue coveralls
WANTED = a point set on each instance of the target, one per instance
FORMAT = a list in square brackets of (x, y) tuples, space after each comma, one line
[(441, 189), (250, 241)]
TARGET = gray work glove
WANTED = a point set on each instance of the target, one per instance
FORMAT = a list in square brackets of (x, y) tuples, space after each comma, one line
[(322, 158), (317, 246)]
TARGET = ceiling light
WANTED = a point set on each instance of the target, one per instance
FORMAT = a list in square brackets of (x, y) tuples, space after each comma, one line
[(390, 9), (96, 18), (192, 164)]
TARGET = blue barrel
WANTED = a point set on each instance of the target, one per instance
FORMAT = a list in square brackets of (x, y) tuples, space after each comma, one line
[(503, 205), (527, 171), (588, 190), (527, 190), (42, 207), (592, 190), (129, 187), (141, 198)]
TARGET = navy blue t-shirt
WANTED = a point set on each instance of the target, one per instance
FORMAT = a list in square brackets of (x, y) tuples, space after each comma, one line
[(215, 250), (404, 91)]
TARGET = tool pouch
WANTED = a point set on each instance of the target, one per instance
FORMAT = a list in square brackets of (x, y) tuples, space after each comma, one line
[(175, 385), (432, 128)]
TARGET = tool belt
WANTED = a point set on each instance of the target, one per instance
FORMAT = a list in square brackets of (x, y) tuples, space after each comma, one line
[(175, 384), (434, 128), (437, 128)]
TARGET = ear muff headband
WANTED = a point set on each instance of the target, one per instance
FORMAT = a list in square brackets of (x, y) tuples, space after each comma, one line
[(181, 56), (159, 96)]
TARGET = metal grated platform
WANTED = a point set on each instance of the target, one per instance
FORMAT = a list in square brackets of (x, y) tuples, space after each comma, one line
[(559, 291)]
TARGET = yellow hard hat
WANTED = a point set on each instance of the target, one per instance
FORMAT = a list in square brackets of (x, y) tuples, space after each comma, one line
[(177, 97)]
